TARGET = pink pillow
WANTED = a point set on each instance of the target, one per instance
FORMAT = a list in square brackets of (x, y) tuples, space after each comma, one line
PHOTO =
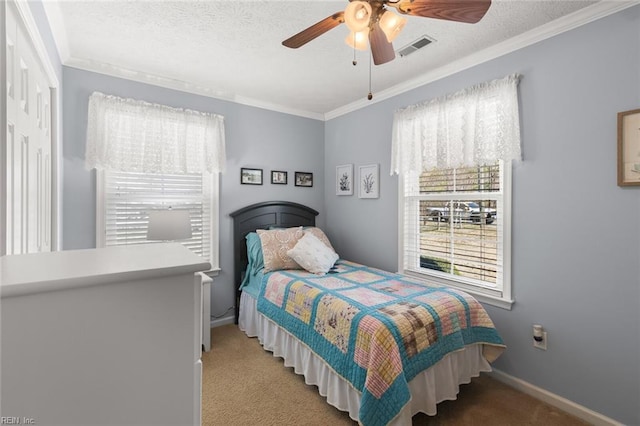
[(275, 245)]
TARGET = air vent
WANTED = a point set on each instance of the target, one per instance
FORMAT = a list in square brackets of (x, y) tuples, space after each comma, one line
[(416, 45)]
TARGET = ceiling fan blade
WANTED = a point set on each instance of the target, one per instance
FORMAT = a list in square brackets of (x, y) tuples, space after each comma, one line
[(316, 30), (381, 49), (469, 11)]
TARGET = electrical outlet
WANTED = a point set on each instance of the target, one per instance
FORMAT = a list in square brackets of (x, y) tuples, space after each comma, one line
[(541, 344)]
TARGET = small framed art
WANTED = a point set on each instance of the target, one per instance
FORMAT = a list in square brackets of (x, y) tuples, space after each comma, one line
[(629, 148), (278, 177), (304, 179), (250, 176), (344, 179), (369, 185)]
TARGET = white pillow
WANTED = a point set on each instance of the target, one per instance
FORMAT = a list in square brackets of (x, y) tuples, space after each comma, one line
[(313, 255)]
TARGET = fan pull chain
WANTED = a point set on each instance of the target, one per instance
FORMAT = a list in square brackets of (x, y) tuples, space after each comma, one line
[(354, 62), (370, 95)]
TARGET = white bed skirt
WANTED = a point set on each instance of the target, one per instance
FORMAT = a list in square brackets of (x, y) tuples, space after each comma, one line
[(438, 383)]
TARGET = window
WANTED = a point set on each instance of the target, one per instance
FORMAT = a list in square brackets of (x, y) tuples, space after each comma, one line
[(455, 227), (154, 157), (125, 199), (454, 156)]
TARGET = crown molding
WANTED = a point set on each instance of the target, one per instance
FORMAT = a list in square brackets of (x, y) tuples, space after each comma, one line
[(182, 86), (566, 23)]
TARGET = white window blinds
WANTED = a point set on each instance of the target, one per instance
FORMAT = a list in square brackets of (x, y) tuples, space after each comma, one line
[(137, 136), (128, 198), (454, 226)]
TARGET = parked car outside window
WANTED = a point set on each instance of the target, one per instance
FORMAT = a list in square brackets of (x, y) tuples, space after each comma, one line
[(463, 211)]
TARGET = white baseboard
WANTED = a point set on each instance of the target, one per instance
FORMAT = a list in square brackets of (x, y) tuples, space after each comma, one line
[(557, 401), (222, 321)]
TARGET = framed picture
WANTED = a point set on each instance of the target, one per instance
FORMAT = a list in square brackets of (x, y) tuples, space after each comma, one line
[(304, 179), (629, 148), (250, 176), (344, 179), (369, 185), (278, 177)]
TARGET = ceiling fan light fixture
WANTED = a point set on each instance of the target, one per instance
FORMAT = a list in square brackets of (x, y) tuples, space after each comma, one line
[(358, 40), (392, 24), (357, 15)]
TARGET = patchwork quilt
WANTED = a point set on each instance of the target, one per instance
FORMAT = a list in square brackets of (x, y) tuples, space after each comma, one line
[(376, 329)]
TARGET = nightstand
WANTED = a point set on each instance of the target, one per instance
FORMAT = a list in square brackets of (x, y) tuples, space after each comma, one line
[(206, 311)]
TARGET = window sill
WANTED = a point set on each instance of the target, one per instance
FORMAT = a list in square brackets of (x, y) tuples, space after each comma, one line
[(496, 301), (493, 301)]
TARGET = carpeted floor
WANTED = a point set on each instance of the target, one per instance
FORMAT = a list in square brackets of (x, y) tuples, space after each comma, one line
[(246, 385)]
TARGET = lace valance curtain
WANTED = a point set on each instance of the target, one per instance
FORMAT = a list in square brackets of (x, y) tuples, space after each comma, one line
[(475, 126), (137, 136)]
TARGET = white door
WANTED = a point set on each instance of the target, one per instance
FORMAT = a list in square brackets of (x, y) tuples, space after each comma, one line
[(28, 152)]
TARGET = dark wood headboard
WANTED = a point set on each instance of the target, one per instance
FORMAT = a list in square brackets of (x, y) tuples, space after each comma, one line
[(283, 214)]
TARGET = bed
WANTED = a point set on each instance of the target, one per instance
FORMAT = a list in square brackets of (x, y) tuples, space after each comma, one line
[(378, 345)]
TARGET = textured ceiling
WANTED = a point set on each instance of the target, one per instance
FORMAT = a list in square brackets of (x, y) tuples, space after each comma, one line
[(232, 49)]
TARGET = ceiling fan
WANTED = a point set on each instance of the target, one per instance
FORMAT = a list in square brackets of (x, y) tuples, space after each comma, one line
[(373, 21)]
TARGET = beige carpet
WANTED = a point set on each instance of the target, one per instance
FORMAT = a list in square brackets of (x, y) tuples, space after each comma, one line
[(246, 385)]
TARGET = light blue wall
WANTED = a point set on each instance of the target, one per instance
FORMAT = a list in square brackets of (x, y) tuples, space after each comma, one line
[(255, 138), (576, 234)]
